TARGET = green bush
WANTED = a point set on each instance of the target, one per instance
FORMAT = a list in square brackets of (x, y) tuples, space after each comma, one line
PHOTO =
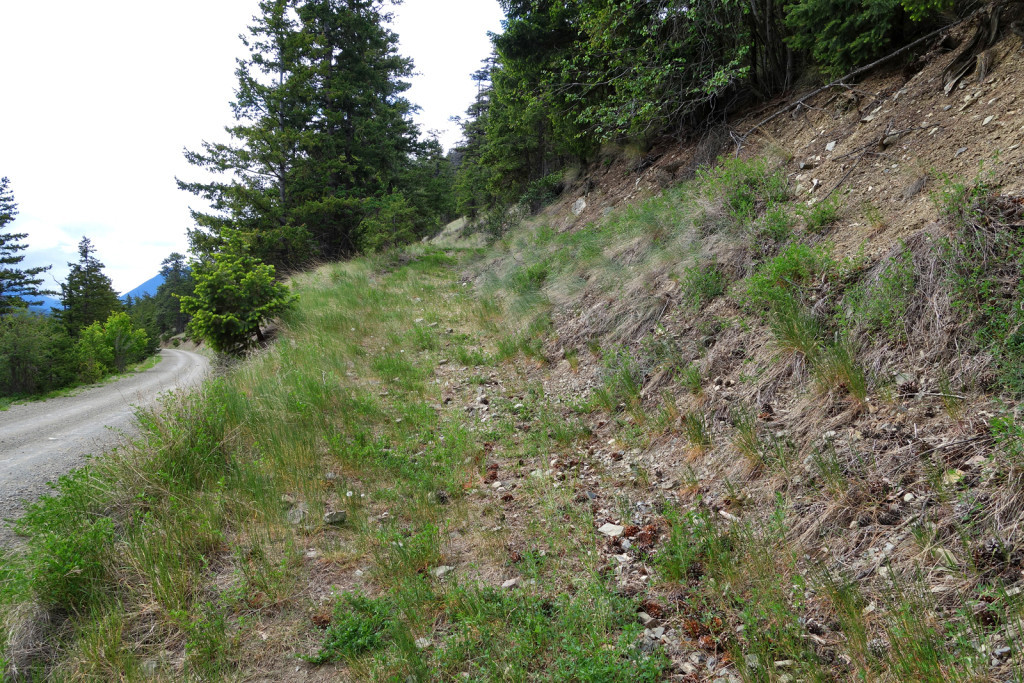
[(68, 545), (359, 625), (747, 186), (776, 224), (822, 215), (234, 294), (788, 278), (110, 346)]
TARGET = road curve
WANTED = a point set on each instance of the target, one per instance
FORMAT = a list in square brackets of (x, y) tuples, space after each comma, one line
[(42, 440)]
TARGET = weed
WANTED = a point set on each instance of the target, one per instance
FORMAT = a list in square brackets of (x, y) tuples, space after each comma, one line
[(746, 440), (572, 357), (503, 635), (690, 377), (359, 625), (873, 215), (702, 284), (788, 277), (529, 279), (836, 368), (830, 469), (796, 330), (471, 357), (880, 306), (746, 186), (697, 431), (822, 215), (622, 382), (775, 227)]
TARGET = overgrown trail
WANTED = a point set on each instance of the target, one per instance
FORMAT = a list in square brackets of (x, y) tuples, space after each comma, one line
[(43, 440)]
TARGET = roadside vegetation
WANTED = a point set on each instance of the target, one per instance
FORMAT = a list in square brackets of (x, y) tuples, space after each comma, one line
[(450, 465)]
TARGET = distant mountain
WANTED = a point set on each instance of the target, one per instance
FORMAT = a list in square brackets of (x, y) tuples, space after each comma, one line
[(48, 303), (147, 287)]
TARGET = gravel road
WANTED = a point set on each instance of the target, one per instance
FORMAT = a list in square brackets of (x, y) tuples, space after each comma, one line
[(42, 440)]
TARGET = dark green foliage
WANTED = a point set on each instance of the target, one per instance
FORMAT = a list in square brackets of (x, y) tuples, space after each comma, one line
[(324, 155), (234, 295), (88, 295), (18, 286), (177, 283), (842, 34), (36, 355), (143, 313)]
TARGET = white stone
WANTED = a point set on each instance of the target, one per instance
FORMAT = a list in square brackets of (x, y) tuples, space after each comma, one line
[(612, 530)]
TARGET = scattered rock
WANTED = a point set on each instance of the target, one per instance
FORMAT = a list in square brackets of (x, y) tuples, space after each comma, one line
[(440, 572), (830, 146), (336, 517), (511, 583), (423, 643), (611, 530), (579, 207), (298, 514)]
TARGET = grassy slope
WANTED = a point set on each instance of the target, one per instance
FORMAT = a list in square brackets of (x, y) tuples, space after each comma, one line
[(487, 411), (812, 448)]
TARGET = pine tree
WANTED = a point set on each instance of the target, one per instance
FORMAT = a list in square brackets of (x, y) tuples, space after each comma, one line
[(234, 295), (177, 282), (88, 295), (18, 286), (272, 111), (361, 138), (323, 134)]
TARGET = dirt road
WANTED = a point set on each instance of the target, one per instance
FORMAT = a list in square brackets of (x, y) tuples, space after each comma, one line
[(41, 441)]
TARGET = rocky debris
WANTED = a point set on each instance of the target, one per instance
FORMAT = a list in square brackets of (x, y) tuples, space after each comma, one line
[(579, 207), (298, 513), (611, 530), (511, 583), (442, 571), (336, 517)]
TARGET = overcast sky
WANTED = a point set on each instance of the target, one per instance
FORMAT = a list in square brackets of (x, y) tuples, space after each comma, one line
[(98, 99)]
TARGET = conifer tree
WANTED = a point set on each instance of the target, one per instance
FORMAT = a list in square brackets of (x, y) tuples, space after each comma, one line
[(323, 134), (18, 286), (88, 295)]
